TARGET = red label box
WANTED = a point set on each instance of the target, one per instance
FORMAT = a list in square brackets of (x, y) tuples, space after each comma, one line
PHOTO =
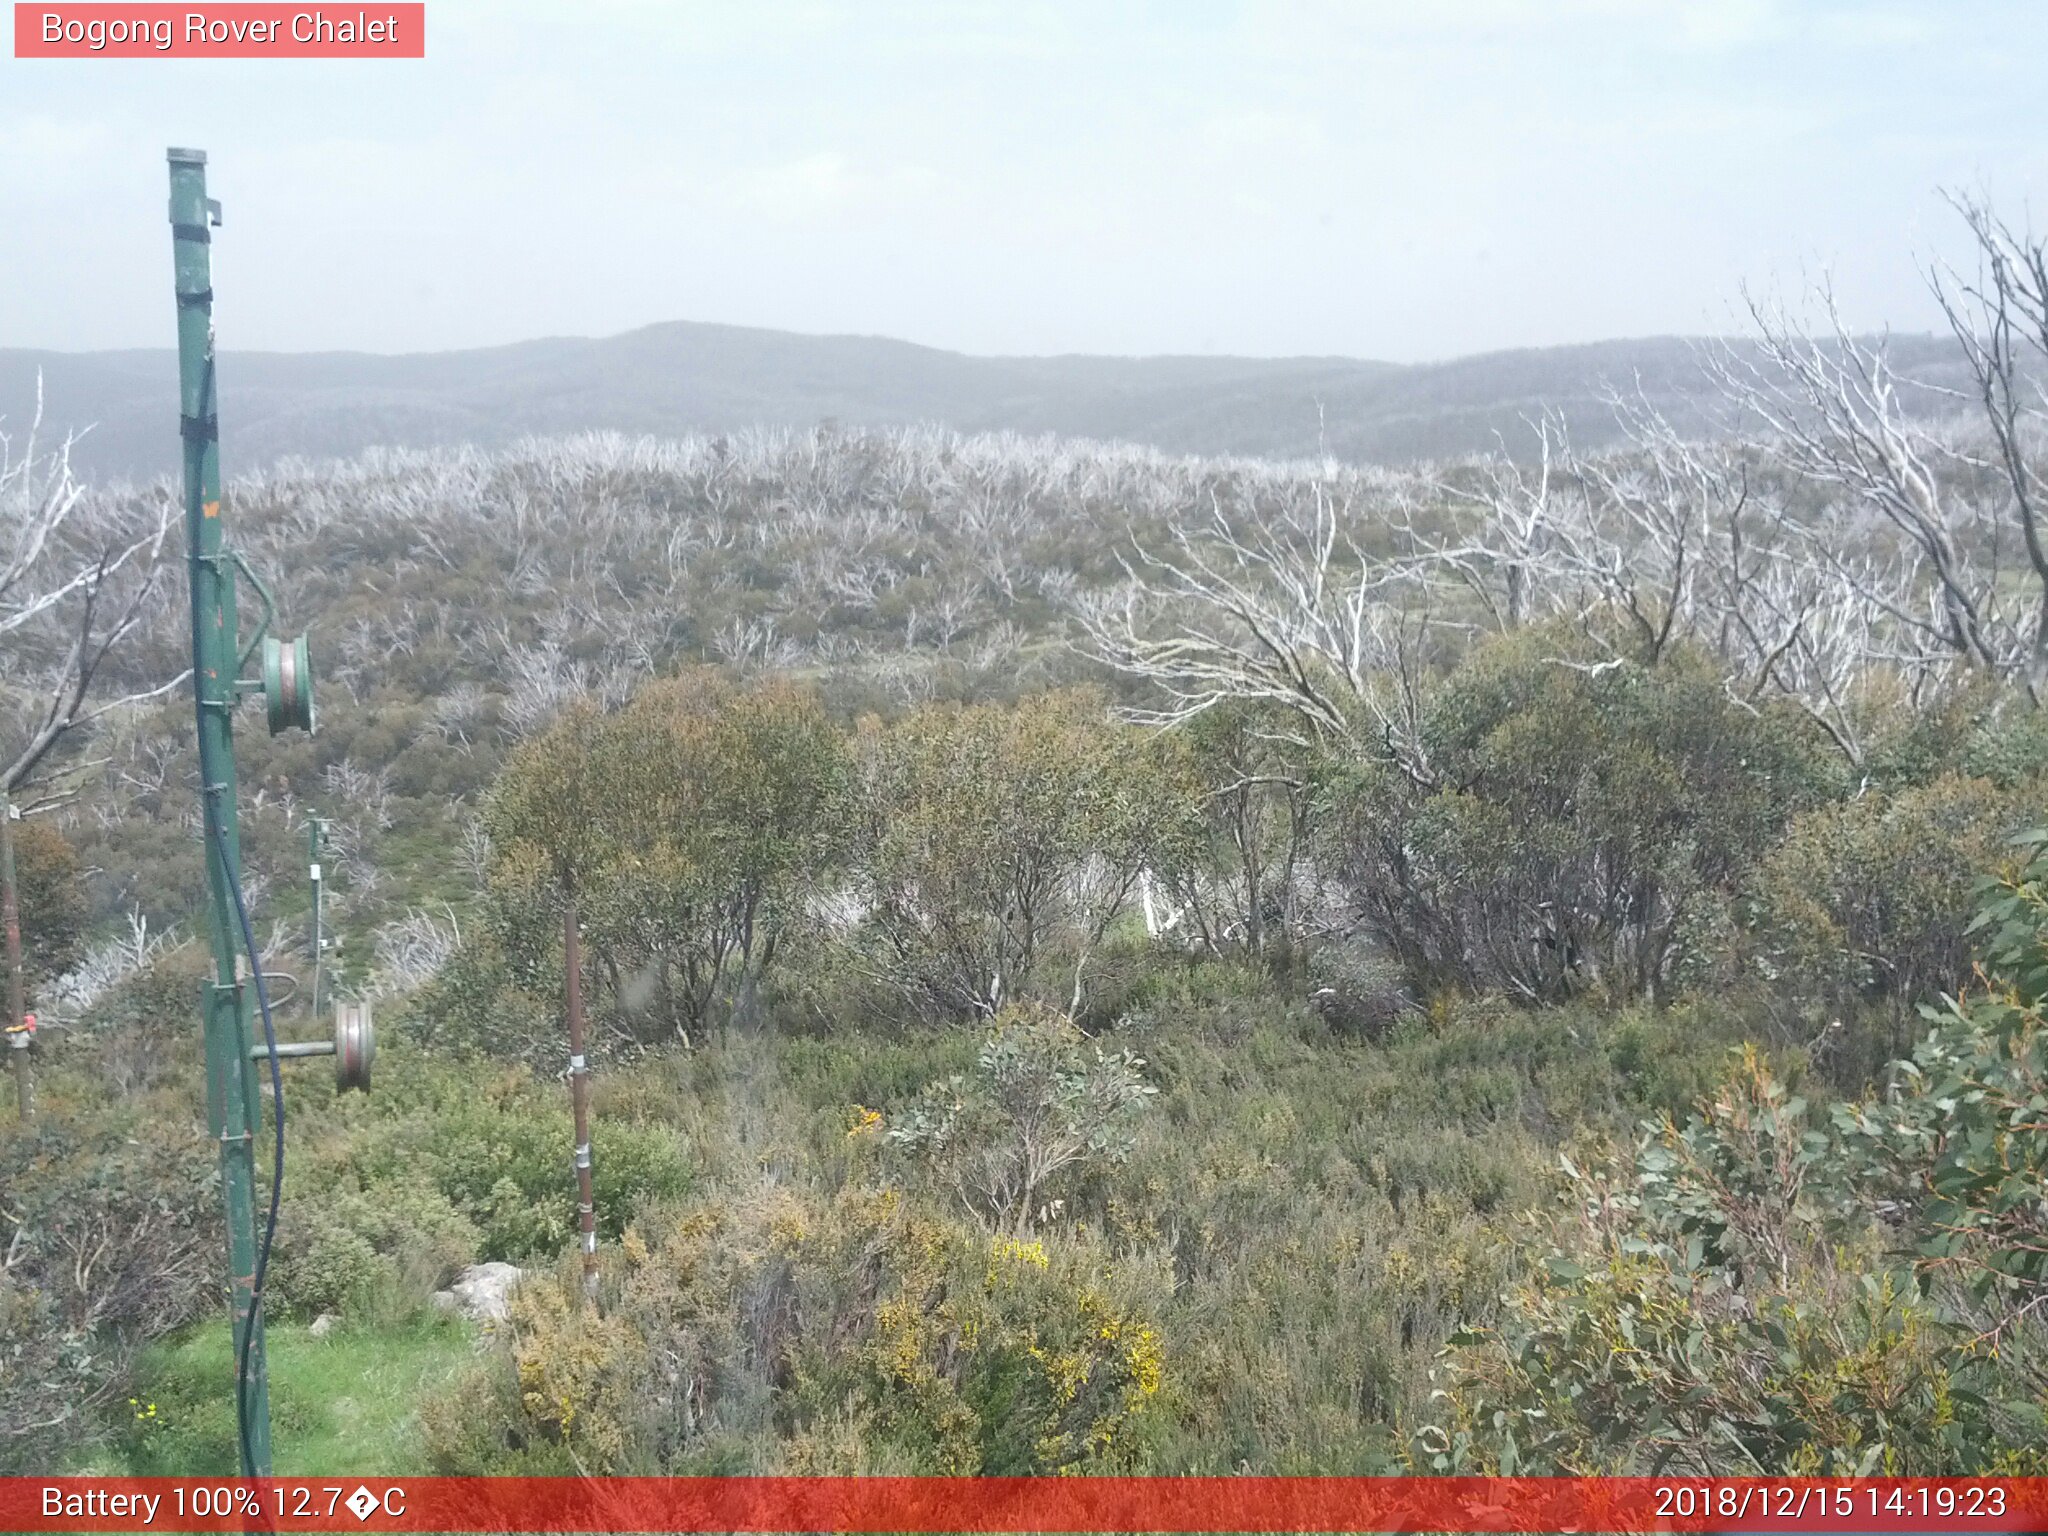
[(1474, 1506), (236, 31)]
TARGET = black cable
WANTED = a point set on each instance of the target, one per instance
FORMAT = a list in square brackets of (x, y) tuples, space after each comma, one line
[(234, 886)]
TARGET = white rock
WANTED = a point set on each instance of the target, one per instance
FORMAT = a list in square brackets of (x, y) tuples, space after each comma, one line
[(323, 1325), (483, 1292)]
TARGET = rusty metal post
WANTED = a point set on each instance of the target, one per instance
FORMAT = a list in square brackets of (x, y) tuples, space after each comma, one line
[(17, 1006), (579, 1095)]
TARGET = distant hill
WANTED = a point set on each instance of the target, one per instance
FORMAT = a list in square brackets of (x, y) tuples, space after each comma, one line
[(684, 377)]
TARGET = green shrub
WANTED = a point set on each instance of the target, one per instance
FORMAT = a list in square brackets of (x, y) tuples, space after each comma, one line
[(1978, 731), (784, 1334), (1963, 1135), (51, 900), (1232, 869), (378, 1253), (1731, 1297), (1873, 898), (113, 1239), (691, 826), (997, 846), (141, 1035), (1042, 1106), (482, 1152), (477, 1006), (1638, 1359), (1720, 1304), (1575, 814)]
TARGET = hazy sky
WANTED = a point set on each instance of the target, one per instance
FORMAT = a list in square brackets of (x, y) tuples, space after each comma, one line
[(1405, 180)]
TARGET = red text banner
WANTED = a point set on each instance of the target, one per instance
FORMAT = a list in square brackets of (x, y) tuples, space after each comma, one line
[(910, 1504), (234, 31)]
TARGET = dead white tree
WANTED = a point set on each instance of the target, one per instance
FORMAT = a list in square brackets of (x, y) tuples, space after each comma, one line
[(1791, 617), (76, 576), (1574, 534), (2000, 318), (412, 950), (1280, 606), (1838, 416), (1643, 543), (1504, 547)]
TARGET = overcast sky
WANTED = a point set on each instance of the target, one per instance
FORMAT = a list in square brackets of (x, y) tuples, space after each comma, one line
[(1400, 180)]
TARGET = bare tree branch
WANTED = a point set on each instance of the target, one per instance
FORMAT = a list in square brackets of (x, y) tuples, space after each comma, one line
[(76, 579)]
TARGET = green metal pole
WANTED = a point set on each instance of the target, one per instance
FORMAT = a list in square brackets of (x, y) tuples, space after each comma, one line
[(234, 1108)]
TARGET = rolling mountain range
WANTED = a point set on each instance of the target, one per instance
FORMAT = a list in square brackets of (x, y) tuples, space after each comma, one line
[(681, 377)]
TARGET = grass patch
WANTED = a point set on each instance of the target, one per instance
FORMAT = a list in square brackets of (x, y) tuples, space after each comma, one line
[(343, 1405)]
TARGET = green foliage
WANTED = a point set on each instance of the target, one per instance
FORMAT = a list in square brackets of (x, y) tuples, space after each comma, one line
[(1333, 1211), (1638, 1359), (113, 1239), (1234, 869), (378, 1252), (1874, 897), (554, 817), (864, 1334), (1279, 1187), (1700, 1312), (1719, 1309), (996, 841), (1324, 1225), (2007, 744), (1297, 1223), (1576, 814), (691, 826), (140, 1035), (2010, 921), (442, 1152), (738, 799), (1975, 729), (480, 1005), (1745, 1177), (1043, 1105), (51, 899), (1964, 1132)]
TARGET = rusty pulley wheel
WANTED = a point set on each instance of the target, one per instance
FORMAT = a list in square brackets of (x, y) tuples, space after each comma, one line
[(355, 1047)]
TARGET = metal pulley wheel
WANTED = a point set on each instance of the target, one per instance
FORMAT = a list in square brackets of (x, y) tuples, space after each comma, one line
[(288, 683), (355, 1047)]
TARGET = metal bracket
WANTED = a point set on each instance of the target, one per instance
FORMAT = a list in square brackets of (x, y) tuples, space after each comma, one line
[(241, 564)]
